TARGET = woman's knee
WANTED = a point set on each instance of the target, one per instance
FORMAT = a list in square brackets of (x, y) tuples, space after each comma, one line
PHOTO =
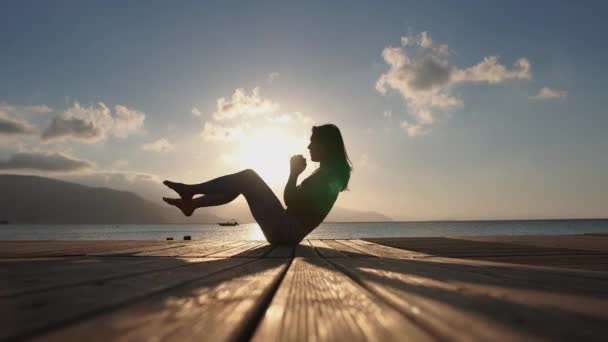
[(251, 183), (250, 175)]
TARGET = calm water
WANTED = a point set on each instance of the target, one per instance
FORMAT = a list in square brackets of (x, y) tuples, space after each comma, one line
[(325, 231)]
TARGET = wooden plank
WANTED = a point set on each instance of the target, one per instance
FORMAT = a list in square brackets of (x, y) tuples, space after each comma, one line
[(385, 251), (325, 250), (578, 262), (234, 251), (256, 252), (15, 267), (564, 276), (306, 250), (139, 249), (316, 302), (587, 242), (224, 307), (356, 247), (9, 261), (93, 249), (44, 276), (461, 248), (64, 248), (181, 248), (518, 271), (218, 247), (23, 316), (348, 250), (281, 251), (590, 300), (41, 246), (466, 308), (194, 249)]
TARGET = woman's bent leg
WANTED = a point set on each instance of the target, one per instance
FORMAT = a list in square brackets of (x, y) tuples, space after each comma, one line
[(231, 184), (225, 185), (267, 209), (188, 206), (214, 200)]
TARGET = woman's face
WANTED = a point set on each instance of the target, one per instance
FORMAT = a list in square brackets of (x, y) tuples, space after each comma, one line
[(315, 148)]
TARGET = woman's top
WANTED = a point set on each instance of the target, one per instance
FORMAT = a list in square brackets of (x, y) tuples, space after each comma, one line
[(316, 196)]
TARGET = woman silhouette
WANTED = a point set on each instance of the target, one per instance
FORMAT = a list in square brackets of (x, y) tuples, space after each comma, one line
[(307, 204)]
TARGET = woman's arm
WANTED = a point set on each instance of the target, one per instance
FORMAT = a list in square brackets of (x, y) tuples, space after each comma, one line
[(297, 166), (289, 195)]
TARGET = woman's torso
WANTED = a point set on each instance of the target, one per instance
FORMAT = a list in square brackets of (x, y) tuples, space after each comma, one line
[(316, 196)]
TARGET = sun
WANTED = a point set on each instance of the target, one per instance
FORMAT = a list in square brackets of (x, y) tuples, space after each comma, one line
[(267, 151)]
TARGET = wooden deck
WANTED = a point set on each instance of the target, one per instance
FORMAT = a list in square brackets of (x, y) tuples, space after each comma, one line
[(457, 288)]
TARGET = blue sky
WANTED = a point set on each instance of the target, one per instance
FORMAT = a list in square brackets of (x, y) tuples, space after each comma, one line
[(502, 149)]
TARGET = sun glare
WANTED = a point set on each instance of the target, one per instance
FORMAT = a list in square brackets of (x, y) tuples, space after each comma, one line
[(268, 151)]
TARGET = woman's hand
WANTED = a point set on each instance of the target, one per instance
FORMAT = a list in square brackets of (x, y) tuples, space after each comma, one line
[(297, 164)]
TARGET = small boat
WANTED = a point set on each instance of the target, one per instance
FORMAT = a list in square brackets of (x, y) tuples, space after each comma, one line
[(229, 223)]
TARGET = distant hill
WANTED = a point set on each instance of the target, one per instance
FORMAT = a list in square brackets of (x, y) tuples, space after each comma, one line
[(32, 199)]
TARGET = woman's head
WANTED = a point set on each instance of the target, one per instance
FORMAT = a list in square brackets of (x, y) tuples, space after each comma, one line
[(327, 146)]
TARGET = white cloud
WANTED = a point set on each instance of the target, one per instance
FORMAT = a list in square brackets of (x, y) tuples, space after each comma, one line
[(83, 123), (126, 121), (491, 71), (93, 123), (284, 118), (196, 112), (12, 122), (281, 118), (424, 77), (241, 104), (424, 40), (38, 109), (120, 163), (413, 130), (272, 77), (213, 132), (44, 161), (244, 116), (15, 109), (547, 93), (11, 126), (160, 145), (304, 119)]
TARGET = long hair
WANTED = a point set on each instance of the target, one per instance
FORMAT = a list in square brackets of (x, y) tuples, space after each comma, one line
[(330, 137)]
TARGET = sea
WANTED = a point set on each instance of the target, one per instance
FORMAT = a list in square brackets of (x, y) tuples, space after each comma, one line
[(351, 230)]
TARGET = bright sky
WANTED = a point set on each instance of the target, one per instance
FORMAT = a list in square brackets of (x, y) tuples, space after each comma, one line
[(449, 110)]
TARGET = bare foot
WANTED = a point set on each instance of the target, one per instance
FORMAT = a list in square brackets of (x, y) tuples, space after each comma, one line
[(181, 189), (187, 207)]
